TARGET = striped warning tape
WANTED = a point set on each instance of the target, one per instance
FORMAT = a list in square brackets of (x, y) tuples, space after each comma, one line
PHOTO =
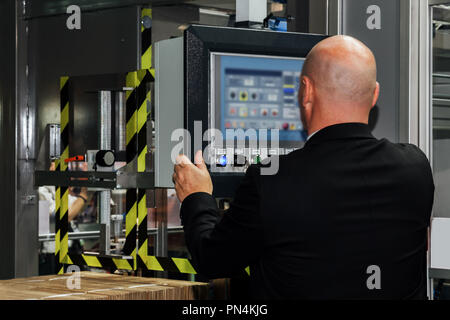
[(178, 265), (137, 101), (142, 228), (142, 119), (138, 105), (59, 266), (131, 152), (143, 106), (63, 192), (143, 100), (167, 264), (110, 263), (129, 247)]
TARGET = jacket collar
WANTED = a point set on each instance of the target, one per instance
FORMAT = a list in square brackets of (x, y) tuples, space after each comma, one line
[(341, 131)]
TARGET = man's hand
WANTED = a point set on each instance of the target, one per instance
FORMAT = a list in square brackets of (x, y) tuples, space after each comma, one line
[(189, 178)]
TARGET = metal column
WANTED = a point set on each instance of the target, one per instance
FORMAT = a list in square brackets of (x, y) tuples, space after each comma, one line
[(105, 196), (26, 257)]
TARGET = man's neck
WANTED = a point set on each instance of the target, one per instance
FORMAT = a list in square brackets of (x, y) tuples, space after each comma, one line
[(314, 128)]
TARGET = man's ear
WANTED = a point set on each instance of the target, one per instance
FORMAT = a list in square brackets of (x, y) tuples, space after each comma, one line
[(376, 95), (307, 96)]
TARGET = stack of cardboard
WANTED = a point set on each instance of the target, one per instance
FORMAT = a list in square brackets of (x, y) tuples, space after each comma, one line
[(100, 286)]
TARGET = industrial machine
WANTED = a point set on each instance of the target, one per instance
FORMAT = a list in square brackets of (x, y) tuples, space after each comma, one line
[(237, 100), (217, 78), (228, 91)]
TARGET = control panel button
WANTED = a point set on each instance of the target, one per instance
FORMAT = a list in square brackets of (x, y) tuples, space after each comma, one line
[(222, 161)]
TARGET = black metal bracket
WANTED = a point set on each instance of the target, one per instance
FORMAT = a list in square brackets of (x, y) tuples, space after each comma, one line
[(95, 179)]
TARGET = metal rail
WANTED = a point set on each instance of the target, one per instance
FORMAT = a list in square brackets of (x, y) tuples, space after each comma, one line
[(96, 234)]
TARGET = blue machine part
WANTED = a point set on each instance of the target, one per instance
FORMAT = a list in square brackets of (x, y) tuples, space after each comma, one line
[(278, 24)]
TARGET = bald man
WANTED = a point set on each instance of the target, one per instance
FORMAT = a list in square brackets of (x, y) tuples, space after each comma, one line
[(345, 217)]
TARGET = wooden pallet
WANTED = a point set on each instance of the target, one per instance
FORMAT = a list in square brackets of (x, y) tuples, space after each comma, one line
[(101, 286)]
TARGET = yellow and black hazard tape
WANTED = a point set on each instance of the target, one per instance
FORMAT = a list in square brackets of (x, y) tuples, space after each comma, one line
[(59, 265), (177, 265), (142, 229), (109, 263), (62, 193), (142, 80), (129, 247), (153, 263), (137, 101), (142, 119), (143, 105)]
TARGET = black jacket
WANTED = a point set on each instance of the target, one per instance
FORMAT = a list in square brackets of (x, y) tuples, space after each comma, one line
[(344, 202)]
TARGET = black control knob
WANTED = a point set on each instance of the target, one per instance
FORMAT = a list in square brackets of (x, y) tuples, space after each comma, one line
[(105, 158), (239, 161)]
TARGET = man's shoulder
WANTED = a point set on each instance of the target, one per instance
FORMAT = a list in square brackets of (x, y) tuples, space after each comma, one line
[(408, 150)]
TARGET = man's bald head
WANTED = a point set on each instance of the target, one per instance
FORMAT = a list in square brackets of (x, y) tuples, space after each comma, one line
[(338, 82), (342, 68)]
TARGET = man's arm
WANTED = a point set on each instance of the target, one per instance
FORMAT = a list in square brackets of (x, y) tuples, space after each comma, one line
[(221, 247)]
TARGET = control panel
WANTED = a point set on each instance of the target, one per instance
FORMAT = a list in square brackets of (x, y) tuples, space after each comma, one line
[(237, 101)]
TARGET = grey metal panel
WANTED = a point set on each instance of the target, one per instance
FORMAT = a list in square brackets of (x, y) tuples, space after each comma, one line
[(334, 17), (167, 20), (441, 112), (168, 105), (439, 273), (106, 44), (436, 2), (318, 16), (84, 111), (407, 61), (7, 137), (385, 43), (299, 10), (26, 244)]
